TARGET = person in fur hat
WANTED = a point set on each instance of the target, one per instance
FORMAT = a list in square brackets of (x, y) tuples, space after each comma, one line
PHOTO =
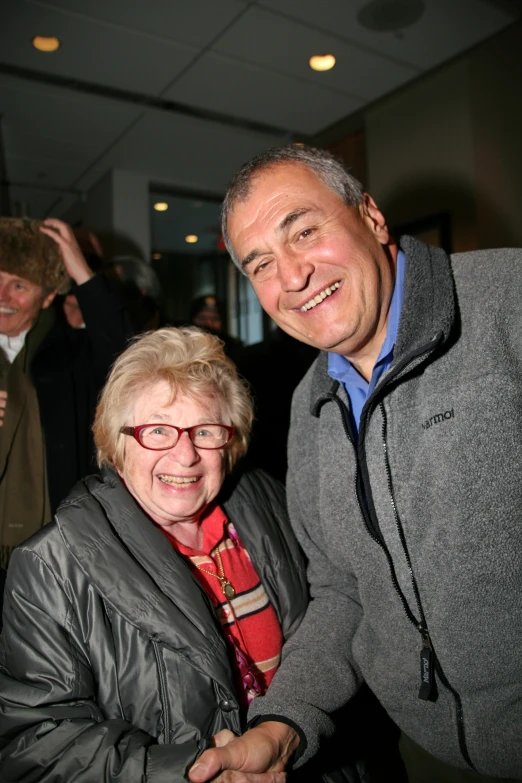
[(50, 373)]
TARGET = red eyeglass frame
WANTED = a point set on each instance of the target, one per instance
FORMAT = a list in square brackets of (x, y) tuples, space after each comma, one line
[(136, 432)]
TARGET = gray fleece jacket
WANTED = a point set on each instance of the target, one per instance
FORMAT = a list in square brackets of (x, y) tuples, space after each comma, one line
[(414, 533)]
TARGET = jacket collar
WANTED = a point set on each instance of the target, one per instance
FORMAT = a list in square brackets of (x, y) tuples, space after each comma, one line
[(138, 574), (427, 316)]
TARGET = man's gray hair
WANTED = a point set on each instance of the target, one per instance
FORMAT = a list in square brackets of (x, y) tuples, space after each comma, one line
[(329, 168)]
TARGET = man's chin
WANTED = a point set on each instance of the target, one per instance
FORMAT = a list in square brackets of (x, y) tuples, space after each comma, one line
[(8, 328)]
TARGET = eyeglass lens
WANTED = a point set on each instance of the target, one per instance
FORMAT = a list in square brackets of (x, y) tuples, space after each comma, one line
[(206, 436)]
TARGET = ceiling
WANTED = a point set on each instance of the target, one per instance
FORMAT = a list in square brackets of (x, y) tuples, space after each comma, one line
[(183, 91)]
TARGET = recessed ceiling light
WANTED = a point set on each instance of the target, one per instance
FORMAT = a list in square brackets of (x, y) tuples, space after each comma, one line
[(321, 62), (191, 238), (161, 206), (46, 43), (156, 256), (298, 143)]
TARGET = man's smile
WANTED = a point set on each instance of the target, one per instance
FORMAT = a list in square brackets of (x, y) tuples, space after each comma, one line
[(320, 297)]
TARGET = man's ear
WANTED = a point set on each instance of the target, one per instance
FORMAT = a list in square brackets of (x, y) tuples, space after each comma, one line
[(48, 300), (374, 218)]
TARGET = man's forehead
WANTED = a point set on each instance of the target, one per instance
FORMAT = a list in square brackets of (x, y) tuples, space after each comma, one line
[(9, 276)]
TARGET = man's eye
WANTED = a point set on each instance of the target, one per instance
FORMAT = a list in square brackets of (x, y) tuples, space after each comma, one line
[(20, 287), (261, 267), (306, 233)]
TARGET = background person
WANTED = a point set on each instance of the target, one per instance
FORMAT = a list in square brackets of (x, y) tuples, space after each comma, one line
[(403, 489), (152, 610), (50, 373), (140, 288), (207, 313)]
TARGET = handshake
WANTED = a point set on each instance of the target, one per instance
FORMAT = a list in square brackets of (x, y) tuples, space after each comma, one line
[(259, 756)]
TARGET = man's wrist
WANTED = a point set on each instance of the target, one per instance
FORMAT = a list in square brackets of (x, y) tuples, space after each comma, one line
[(82, 275)]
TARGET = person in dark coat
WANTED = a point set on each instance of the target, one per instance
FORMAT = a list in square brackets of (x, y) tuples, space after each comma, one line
[(50, 372)]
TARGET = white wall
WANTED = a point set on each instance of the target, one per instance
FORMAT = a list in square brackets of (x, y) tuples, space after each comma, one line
[(116, 208)]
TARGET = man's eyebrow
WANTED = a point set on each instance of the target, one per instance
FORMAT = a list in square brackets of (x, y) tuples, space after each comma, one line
[(289, 219), (249, 258)]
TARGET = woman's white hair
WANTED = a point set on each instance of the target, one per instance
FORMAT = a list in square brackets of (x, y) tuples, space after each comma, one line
[(194, 364)]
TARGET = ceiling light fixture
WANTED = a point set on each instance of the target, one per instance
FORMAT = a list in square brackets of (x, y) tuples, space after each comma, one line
[(156, 256), (191, 238), (321, 62), (46, 43), (161, 206)]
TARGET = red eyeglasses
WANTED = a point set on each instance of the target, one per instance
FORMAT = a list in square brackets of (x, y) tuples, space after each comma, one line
[(158, 437)]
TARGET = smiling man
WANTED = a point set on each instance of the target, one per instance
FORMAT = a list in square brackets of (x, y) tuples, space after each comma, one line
[(50, 373), (404, 456)]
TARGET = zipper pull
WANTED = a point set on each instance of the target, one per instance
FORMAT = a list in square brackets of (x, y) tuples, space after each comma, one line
[(427, 688)]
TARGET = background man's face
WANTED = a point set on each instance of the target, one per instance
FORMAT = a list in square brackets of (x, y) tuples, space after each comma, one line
[(319, 268), (20, 303), (72, 311)]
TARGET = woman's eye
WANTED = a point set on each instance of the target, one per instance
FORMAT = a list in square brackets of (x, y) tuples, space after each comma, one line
[(203, 433), (158, 431), (306, 233)]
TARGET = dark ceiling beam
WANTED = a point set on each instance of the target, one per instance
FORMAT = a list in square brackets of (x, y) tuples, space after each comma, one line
[(145, 101), (5, 201), (44, 188), (513, 7)]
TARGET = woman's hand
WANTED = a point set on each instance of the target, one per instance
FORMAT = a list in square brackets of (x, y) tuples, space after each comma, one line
[(223, 737)]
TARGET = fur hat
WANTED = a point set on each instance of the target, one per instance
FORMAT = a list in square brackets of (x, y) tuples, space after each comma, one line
[(26, 252)]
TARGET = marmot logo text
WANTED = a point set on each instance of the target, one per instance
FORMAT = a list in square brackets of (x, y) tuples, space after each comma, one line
[(437, 419)]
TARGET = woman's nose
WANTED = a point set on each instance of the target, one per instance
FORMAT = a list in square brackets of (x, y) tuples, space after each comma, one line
[(184, 451)]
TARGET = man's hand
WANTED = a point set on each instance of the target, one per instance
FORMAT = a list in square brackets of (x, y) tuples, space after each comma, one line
[(259, 756), (3, 404), (73, 258)]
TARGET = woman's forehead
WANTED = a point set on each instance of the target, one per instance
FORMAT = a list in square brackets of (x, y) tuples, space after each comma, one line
[(165, 402)]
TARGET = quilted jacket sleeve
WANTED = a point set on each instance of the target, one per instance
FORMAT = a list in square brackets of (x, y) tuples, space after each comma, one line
[(51, 729)]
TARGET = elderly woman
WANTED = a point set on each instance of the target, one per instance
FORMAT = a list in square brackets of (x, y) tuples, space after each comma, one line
[(142, 620)]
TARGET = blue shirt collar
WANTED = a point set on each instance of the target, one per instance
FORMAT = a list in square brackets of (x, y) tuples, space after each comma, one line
[(342, 370)]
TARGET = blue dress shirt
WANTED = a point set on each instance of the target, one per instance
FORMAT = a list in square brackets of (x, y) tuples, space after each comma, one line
[(339, 368)]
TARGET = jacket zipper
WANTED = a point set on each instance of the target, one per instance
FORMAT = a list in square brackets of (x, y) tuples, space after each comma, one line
[(163, 689), (428, 660)]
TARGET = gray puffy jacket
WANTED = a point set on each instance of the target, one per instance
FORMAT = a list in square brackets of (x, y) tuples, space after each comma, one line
[(113, 667)]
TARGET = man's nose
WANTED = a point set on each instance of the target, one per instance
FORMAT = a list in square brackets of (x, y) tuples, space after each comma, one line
[(294, 271)]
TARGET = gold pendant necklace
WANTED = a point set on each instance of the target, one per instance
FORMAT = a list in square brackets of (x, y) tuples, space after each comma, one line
[(226, 586)]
